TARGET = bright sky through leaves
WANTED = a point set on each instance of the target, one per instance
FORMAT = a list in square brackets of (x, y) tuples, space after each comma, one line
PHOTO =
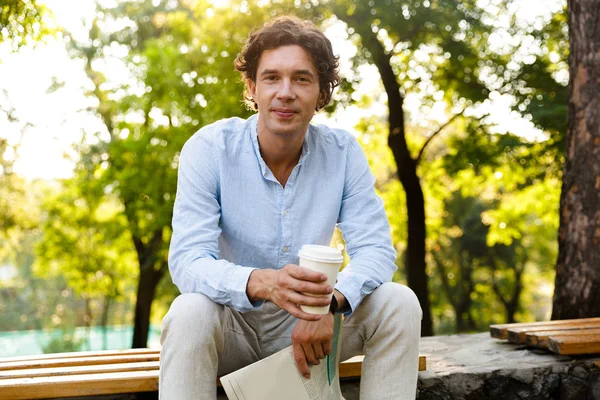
[(58, 119)]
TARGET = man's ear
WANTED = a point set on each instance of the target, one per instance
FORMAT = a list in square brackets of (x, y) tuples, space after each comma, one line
[(251, 87), (321, 100)]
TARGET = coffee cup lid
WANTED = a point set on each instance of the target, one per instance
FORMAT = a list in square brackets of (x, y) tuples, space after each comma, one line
[(320, 253)]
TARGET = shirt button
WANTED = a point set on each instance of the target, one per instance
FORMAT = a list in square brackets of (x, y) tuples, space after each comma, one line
[(284, 213), (285, 249)]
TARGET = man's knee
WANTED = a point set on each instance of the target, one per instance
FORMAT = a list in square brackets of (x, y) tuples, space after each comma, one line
[(192, 312), (399, 299)]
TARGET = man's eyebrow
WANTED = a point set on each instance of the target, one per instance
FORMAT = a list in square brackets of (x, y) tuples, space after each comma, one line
[(268, 72), (296, 72), (305, 72)]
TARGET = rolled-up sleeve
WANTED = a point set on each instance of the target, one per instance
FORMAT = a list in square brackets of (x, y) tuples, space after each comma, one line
[(366, 231), (194, 261)]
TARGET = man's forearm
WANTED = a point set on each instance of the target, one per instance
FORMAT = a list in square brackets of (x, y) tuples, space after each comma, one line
[(258, 286)]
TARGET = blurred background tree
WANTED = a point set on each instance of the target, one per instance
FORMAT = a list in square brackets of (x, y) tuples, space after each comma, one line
[(473, 207), (22, 21), (440, 53), (178, 57)]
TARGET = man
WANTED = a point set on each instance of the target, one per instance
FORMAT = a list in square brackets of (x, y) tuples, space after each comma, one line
[(250, 194)]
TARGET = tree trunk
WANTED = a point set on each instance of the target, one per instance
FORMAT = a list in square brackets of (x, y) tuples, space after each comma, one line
[(464, 289), (577, 285), (148, 281), (152, 270), (459, 295), (415, 209), (462, 306), (104, 322), (511, 303), (87, 322), (462, 320), (407, 174)]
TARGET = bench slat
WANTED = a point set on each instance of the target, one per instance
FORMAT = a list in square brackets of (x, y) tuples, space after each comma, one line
[(348, 369), (519, 335), (351, 368), (70, 362), (100, 353), (500, 331), (80, 370), (540, 339), (101, 374), (79, 385), (575, 345), (422, 363)]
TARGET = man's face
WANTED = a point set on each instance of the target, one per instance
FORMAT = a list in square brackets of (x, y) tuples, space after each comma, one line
[(286, 91)]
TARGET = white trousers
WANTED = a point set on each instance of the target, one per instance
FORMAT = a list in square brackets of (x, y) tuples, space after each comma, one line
[(202, 340)]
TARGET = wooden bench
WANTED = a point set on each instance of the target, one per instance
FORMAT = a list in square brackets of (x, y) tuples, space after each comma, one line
[(98, 373), (564, 337)]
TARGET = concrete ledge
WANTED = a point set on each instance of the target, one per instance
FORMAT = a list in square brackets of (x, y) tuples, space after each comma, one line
[(476, 366), (480, 367)]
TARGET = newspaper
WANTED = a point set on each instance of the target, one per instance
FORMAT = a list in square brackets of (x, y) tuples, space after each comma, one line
[(277, 377)]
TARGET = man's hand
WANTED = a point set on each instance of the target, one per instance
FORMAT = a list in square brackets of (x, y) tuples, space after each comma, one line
[(289, 288), (311, 342)]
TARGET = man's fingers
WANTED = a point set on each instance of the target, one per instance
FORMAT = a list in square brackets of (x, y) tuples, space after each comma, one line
[(312, 288), (305, 274), (327, 347), (287, 280), (309, 352), (318, 350), (306, 300), (300, 358)]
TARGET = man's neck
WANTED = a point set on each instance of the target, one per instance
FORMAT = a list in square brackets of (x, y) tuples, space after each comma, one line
[(280, 155)]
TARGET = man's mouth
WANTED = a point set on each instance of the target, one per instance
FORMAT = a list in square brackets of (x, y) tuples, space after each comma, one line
[(284, 112)]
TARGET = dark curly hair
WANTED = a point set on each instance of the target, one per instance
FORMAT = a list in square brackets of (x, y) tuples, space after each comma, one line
[(285, 31)]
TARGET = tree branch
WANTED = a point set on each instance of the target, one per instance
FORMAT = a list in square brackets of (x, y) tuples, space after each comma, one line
[(434, 134)]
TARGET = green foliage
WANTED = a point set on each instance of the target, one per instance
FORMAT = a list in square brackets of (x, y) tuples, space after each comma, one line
[(434, 45), (64, 341), (29, 301), (512, 237), (481, 245), (492, 215), (22, 21), (540, 85), (86, 243), (11, 192), (179, 56), (491, 199)]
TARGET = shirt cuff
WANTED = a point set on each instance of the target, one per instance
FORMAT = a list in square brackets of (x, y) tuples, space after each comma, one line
[(237, 284), (351, 289)]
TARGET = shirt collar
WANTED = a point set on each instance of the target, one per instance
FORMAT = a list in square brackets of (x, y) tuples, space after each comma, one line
[(253, 123)]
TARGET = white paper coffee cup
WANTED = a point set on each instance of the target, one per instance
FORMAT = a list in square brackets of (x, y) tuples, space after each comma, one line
[(326, 260)]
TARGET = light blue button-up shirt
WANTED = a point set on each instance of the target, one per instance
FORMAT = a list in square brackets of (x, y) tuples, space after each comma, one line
[(232, 216)]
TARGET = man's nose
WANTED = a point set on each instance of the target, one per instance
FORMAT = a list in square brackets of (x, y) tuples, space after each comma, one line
[(286, 90)]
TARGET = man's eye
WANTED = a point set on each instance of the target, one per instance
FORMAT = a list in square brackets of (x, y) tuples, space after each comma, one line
[(271, 78)]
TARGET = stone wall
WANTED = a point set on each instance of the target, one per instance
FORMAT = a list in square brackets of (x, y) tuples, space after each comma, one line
[(474, 367)]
